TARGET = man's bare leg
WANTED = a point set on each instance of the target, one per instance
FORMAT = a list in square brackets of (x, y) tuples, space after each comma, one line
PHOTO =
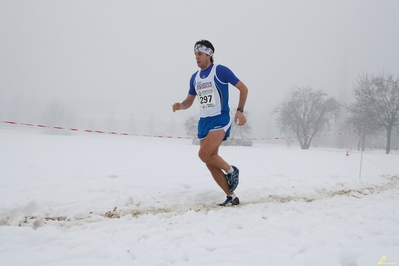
[(220, 178), (208, 153)]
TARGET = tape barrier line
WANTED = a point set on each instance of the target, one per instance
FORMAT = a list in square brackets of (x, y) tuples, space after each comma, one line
[(162, 136), (90, 130)]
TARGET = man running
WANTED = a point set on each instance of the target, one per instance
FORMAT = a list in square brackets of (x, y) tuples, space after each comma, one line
[(211, 85)]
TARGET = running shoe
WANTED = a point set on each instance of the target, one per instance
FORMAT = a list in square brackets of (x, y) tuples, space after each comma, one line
[(230, 200), (232, 179)]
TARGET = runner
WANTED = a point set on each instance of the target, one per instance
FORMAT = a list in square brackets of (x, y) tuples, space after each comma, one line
[(211, 85)]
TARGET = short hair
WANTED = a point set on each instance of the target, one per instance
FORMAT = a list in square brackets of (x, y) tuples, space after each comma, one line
[(207, 44)]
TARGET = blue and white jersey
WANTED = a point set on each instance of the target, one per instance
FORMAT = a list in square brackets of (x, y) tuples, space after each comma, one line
[(211, 85)]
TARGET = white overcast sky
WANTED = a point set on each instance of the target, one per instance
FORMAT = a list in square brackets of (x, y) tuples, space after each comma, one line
[(137, 56)]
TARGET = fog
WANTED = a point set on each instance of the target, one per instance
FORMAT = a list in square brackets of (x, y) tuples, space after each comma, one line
[(131, 60)]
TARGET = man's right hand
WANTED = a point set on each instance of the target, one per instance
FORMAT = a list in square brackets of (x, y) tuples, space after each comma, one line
[(176, 107)]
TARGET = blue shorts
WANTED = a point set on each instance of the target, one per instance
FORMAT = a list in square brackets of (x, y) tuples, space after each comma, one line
[(207, 124)]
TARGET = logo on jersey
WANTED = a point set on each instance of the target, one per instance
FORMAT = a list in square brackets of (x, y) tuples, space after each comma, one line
[(203, 85)]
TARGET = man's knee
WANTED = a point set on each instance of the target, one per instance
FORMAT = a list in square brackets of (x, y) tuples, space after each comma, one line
[(209, 146), (204, 155)]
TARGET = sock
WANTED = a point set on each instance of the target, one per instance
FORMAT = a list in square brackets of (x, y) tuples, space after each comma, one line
[(231, 170), (233, 196)]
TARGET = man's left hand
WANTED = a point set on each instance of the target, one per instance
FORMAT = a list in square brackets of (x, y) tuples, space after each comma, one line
[(240, 119)]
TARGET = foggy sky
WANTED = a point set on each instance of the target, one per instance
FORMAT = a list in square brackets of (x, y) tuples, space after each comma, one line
[(136, 57)]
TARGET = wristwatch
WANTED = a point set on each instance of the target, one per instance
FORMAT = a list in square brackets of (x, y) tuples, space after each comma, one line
[(241, 110)]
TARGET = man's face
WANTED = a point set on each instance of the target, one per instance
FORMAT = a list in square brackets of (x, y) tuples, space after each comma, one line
[(203, 60)]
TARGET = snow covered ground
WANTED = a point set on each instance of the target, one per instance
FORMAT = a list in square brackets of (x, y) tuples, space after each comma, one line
[(91, 199)]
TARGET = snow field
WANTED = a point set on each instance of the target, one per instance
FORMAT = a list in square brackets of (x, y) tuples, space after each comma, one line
[(89, 199)]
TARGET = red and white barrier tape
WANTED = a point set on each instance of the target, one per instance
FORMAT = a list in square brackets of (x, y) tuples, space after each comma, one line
[(161, 136), (89, 130)]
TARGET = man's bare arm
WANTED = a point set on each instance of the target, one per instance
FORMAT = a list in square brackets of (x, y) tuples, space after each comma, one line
[(184, 104)]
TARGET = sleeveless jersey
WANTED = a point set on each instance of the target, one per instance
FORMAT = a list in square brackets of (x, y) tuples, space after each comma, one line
[(212, 91)]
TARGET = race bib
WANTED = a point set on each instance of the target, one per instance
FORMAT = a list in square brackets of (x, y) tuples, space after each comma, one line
[(206, 96)]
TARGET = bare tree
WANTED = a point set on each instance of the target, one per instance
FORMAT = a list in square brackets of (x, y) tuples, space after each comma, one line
[(363, 121), (132, 124), (191, 127), (307, 113), (238, 134), (376, 104), (111, 123), (56, 114)]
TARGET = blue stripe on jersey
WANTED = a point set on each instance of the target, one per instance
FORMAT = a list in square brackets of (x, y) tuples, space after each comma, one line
[(223, 73), (223, 90)]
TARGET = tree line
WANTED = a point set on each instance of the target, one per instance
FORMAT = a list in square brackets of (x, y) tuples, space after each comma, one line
[(308, 112), (375, 109)]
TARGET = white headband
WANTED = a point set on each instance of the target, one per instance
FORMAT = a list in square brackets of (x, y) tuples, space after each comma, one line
[(202, 48)]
